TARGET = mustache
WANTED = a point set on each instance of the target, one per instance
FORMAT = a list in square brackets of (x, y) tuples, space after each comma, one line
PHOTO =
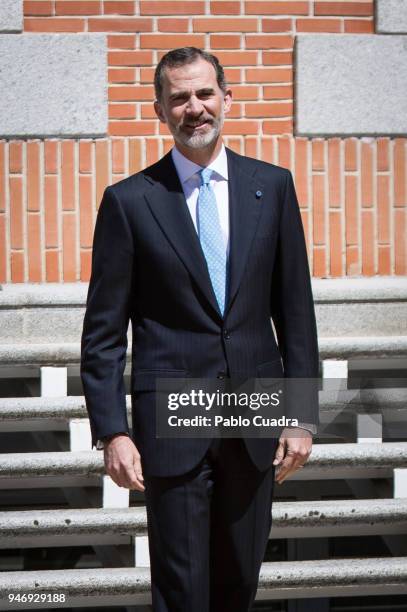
[(198, 123)]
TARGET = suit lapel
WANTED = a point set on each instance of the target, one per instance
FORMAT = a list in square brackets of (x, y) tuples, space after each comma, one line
[(167, 203), (244, 214)]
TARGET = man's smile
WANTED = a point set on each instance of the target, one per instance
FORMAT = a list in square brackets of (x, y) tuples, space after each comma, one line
[(197, 126)]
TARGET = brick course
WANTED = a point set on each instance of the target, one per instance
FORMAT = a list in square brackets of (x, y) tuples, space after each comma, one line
[(351, 193)]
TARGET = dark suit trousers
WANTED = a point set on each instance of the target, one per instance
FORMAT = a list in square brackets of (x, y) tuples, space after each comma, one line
[(208, 531)]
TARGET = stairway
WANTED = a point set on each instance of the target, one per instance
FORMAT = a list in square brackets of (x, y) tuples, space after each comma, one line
[(55, 495)]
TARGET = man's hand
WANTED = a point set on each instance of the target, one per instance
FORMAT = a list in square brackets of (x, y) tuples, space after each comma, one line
[(122, 462), (293, 450)]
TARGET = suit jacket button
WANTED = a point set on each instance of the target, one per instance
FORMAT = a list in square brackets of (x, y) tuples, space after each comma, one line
[(226, 334), (221, 375)]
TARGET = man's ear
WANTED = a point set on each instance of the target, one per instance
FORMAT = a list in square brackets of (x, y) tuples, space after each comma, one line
[(227, 101), (159, 112)]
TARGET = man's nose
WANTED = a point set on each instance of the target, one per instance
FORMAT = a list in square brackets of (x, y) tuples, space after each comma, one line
[(194, 106)]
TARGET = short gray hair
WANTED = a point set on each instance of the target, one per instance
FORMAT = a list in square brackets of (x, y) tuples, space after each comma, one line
[(186, 55)]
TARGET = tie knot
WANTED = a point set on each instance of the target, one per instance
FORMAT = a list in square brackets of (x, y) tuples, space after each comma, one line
[(206, 174)]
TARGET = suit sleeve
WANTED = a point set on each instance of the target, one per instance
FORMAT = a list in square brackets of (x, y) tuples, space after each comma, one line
[(292, 311), (104, 335)]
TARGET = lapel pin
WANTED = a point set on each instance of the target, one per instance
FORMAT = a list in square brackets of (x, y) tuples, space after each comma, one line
[(259, 194)]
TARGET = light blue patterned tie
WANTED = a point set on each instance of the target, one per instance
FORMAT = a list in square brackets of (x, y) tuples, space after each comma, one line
[(210, 235)]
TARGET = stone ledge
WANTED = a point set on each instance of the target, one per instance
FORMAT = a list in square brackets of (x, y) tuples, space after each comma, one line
[(73, 407), (372, 289), (292, 579), (383, 288), (285, 579), (64, 354), (385, 455), (345, 308), (362, 347), (290, 519)]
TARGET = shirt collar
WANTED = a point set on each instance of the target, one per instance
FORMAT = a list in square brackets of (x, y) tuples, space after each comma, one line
[(187, 168)]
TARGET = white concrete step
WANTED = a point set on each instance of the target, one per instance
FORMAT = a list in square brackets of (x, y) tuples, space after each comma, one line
[(54, 413), (344, 307), (71, 407), (102, 526), (18, 353), (281, 580), (327, 461)]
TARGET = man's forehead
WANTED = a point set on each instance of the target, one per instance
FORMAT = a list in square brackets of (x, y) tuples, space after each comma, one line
[(196, 74)]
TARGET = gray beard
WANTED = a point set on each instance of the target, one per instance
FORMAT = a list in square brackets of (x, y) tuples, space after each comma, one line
[(200, 141)]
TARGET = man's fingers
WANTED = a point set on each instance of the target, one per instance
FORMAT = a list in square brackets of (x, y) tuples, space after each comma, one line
[(126, 477), (279, 456), (131, 478), (286, 466), (292, 462), (137, 469), (123, 464), (132, 473), (285, 473), (298, 448)]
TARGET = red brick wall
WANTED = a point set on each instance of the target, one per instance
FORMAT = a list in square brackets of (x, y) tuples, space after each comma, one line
[(253, 40), (352, 191)]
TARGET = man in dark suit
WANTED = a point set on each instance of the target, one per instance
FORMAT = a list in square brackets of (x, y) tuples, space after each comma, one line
[(199, 251)]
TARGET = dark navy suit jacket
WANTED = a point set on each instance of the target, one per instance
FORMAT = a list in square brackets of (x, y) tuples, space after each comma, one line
[(148, 267)]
